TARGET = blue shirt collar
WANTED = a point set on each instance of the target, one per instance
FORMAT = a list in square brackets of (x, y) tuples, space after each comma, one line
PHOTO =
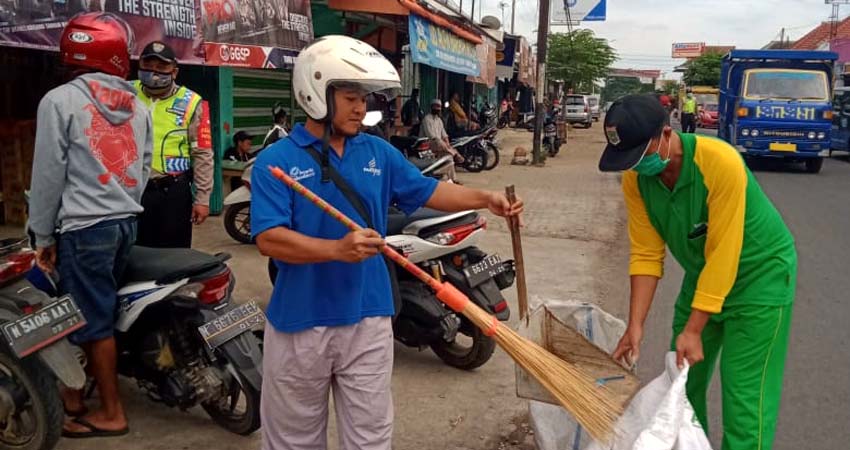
[(304, 138)]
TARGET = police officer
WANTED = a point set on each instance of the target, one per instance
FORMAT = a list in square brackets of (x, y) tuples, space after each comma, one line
[(178, 163), (689, 110)]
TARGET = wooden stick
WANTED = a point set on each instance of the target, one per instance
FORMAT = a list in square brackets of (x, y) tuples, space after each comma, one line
[(516, 241)]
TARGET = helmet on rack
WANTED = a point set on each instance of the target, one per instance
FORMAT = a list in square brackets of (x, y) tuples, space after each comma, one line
[(340, 61), (278, 110), (98, 40)]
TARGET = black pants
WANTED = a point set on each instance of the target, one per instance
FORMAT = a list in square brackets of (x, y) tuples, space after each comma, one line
[(689, 123), (167, 219)]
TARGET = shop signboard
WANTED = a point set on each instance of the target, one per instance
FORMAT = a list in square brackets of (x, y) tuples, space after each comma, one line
[(577, 11), (487, 59), (688, 49), (438, 47), (185, 25)]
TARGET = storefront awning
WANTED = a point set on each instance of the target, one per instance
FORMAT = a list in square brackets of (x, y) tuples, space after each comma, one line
[(212, 32), (438, 47)]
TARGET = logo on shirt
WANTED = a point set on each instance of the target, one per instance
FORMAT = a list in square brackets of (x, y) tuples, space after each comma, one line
[(373, 168), (298, 174)]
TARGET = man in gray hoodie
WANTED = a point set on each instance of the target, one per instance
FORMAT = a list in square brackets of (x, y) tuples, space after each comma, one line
[(92, 159)]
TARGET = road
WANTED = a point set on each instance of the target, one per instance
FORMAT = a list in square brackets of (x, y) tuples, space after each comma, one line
[(815, 409)]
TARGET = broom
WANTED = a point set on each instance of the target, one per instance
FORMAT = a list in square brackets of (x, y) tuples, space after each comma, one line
[(592, 405)]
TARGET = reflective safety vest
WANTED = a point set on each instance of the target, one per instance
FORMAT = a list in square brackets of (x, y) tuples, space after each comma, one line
[(690, 106), (171, 118)]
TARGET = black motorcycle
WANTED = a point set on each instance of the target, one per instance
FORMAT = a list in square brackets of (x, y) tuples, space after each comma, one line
[(551, 141), (475, 150), (34, 354)]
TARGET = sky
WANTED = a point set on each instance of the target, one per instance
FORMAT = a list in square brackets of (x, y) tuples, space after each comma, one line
[(643, 31)]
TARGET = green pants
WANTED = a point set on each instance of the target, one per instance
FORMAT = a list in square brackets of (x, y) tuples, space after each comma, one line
[(754, 339)]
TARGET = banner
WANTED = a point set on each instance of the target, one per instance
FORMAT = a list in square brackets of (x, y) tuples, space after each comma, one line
[(579, 11), (487, 59), (38, 24), (251, 56), (266, 23), (183, 24), (506, 57), (438, 47), (688, 49)]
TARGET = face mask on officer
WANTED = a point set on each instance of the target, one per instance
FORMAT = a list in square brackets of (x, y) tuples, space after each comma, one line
[(156, 76)]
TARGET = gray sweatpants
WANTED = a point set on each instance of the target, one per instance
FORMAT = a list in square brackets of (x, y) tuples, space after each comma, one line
[(299, 370)]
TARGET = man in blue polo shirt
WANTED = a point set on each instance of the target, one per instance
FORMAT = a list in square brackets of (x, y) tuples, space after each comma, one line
[(330, 312)]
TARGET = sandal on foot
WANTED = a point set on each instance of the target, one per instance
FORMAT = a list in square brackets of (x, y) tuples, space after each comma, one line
[(76, 413), (93, 431)]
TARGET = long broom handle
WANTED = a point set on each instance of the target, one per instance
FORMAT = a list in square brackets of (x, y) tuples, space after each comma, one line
[(516, 242), (354, 226)]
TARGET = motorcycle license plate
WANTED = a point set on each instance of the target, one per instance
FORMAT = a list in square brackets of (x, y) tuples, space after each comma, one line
[(235, 322), (488, 268), (35, 331)]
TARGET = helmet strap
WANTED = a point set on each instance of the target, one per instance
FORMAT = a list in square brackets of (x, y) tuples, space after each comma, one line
[(326, 136)]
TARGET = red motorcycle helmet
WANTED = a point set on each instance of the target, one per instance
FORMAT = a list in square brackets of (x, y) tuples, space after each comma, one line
[(98, 40)]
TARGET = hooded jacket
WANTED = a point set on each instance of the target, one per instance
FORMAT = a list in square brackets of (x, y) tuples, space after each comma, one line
[(93, 146)]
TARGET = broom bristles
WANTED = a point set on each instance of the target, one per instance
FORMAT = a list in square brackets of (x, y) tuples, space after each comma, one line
[(593, 406)]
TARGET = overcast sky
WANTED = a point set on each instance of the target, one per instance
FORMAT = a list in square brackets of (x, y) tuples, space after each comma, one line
[(643, 31)]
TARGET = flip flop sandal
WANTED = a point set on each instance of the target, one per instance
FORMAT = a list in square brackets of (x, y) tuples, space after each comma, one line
[(93, 431), (76, 413)]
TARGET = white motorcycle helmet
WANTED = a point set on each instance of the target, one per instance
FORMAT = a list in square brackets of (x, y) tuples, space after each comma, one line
[(340, 60)]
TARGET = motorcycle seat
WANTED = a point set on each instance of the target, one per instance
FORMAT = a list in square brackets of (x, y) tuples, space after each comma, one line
[(396, 220), (403, 142), (167, 265)]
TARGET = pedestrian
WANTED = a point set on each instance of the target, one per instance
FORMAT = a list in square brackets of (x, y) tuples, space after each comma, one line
[(461, 120), (433, 128), (689, 110), (329, 320), (92, 157), (179, 164), (241, 150), (411, 112), (695, 196), (278, 130)]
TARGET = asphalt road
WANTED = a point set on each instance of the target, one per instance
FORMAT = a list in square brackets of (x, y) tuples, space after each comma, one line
[(815, 411)]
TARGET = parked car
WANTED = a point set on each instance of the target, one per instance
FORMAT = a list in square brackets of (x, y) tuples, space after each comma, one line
[(707, 117), (593, 102), (577, 110)]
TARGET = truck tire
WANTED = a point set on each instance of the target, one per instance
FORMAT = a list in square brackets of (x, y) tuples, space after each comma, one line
[(814, 165)]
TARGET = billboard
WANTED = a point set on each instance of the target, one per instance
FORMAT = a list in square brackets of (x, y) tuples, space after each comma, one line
[(688, 49), (183, 24), (579, 10)]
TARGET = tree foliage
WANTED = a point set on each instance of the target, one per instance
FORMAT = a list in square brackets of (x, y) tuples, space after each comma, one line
[(704, 71), (579, 58), (616, 87)]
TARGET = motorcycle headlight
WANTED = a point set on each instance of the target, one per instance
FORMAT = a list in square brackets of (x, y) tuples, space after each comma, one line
[(745, 132), (754, 133), (821, 135), (812, 135)]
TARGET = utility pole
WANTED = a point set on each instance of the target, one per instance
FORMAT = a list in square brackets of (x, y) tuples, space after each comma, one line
[(513, 14), (502, 6), (782, 38), (539, 111)]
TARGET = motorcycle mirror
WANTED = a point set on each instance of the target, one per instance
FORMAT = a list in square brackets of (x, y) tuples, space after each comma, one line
[(446, 105), (372, 118)]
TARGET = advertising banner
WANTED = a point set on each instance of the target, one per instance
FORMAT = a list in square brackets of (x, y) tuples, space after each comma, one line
[(506, 57), (38, 24), (251, 56), (438, 47), (688, 49), (185, 25), (579, 11), (487, 58)]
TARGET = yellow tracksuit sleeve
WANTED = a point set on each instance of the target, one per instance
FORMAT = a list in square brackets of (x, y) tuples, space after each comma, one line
[(725, 178), (647, 246)]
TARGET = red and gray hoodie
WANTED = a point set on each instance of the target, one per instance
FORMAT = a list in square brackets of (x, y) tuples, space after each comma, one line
[(93, 147)]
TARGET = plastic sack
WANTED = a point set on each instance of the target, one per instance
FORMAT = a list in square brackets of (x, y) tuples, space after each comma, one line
[(554, 428), (659, 417)]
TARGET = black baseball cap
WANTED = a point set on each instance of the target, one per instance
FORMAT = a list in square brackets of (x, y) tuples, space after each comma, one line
[(630, 123), (159, 49), (240, 136)]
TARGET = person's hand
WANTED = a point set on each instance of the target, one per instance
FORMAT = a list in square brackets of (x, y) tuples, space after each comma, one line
[(688, 347), (200, 214), (500, 206), (45, 258), (359, 245), (628, 349)]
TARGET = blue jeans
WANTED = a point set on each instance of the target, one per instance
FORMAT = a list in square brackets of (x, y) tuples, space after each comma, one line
[(91, 263)]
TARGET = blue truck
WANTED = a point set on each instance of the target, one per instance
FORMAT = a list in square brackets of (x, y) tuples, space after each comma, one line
[(778, 103)]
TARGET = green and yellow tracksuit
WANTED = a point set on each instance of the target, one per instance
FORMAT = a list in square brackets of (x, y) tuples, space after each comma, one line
[(740, 265)]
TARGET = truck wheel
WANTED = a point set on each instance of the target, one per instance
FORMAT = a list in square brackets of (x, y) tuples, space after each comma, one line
[(814, 165)]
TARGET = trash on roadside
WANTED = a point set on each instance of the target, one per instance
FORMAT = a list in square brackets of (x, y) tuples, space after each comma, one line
[(583, 334), (520, 157)]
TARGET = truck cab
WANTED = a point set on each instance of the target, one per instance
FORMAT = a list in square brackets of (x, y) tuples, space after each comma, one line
[(777, 103)]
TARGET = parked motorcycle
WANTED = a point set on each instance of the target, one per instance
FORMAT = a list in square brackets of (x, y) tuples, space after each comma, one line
[(183, 340), (525, 120), (486, 116), (34, 355), (237, 204), (489, 143), (474, 150)]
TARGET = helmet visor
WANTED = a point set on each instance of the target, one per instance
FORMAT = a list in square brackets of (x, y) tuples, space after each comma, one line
[(389, 89)]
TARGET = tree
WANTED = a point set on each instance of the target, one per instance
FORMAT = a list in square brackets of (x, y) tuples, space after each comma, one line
[(704, 71), (579, 58), (616, 87), (670, 87)]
